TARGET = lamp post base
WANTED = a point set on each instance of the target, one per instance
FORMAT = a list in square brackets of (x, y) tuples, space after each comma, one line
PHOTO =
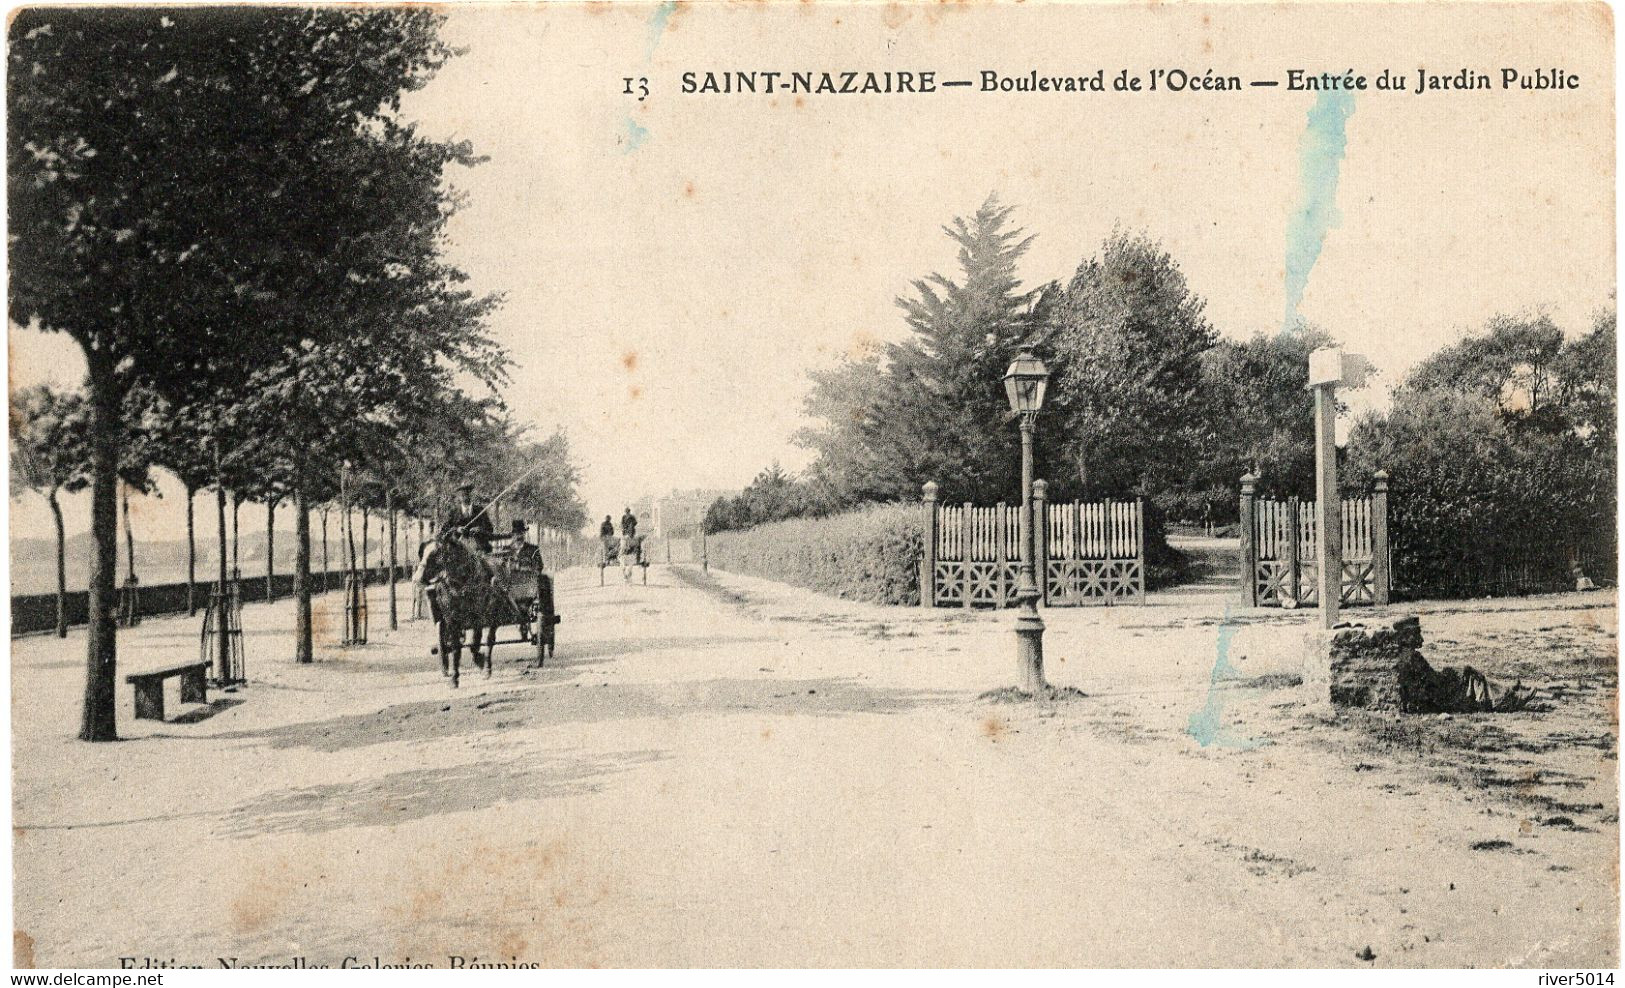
[(1030, 649)]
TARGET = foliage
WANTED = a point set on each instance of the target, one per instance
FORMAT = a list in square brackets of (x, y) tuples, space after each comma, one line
[(1125, 342), (1137, 384), (772, 496), (932, 407), (870, 554), (1512, 365), (296, 225), (48, 452), (1258, 419), (1501, 454), (547, 493)]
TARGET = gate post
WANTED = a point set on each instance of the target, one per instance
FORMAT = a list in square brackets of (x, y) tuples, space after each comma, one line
[(967, 547), (1001, 554), (1039, 540), (1294, 557), (1139, 541), (1381, 564), (1249, 543), (928, 557)]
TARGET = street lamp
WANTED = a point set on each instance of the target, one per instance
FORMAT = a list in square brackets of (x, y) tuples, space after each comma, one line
[(1024, 384)]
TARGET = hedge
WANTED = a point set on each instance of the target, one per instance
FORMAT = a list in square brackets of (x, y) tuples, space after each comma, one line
[(870, 554)]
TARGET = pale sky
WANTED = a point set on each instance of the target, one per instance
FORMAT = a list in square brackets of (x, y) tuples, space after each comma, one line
[(666, 300)]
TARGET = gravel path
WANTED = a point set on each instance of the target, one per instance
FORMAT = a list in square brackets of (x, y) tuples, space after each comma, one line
[(723, 771)]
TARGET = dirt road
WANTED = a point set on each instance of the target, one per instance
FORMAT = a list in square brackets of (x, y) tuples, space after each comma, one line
[(723, 771)]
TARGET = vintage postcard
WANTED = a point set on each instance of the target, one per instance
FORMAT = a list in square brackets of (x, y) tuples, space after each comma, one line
[(813, 485)]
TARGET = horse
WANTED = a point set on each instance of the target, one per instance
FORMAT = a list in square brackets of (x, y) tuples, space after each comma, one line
[(624, 549), (628, 548), (463, 597)]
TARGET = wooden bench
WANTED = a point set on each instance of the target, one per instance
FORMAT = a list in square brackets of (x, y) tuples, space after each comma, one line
[(149, 687)]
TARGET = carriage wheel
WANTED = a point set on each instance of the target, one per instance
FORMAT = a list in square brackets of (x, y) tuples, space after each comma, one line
[(542, 609), (540, 639)]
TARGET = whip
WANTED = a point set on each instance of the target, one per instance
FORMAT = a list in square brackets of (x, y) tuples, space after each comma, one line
[(504, 492)]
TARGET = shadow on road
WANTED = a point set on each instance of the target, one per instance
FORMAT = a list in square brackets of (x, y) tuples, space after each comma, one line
[(208, 710), (420, 793), (578, 702), (570, 652)]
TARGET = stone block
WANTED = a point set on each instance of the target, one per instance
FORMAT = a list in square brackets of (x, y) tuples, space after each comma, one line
[(1357, 664), (1365, 661)]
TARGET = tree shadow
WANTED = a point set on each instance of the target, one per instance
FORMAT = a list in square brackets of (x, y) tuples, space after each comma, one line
[(421, 793), (204, 712), (575, 702), (571, 652)]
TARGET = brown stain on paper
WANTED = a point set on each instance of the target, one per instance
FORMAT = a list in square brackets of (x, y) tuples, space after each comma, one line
[(22, 949), (550, 906), (251, 909), (321, 618)]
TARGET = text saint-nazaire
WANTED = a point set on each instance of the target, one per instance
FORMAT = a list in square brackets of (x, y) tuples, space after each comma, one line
[(812, 83)]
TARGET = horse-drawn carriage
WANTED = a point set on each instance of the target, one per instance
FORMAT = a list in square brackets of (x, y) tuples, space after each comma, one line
[(470, 590), (625, 551)]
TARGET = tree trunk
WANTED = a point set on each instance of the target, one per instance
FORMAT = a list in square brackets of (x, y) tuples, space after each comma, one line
[(220, 531), (364, 521), (99, 721), (129, 535), (270, 549), (324, 550), (389, 504), (61, 567), (349, 538), (191, 553), (304, 651), (236, 559)]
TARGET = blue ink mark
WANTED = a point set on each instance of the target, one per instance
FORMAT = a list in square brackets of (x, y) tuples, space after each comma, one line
[(1320, 156), (657, 23), (1207, 724), (633, 136)]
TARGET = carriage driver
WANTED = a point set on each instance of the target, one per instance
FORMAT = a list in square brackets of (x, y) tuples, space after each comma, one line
[(469, 520)]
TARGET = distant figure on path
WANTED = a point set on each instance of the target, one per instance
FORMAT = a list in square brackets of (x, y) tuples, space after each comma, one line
[(629, 524), (606, 539)]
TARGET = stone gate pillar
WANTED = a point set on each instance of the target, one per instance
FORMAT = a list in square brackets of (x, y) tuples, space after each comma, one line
[(1381, 563), (1249, 542), (928, 555)]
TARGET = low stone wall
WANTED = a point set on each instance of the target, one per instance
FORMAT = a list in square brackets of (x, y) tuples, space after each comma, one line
[(32, 613)]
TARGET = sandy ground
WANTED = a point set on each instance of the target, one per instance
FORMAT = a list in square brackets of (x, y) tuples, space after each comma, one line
[(717, 770)]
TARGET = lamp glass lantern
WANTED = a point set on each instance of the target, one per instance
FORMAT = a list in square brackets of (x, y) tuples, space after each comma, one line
[(1025, 383)]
